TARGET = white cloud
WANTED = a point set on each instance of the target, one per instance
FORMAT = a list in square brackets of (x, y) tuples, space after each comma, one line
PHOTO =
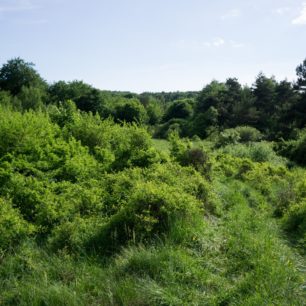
[(236, 44), (16, 5), (216, 42), (301, 19), (234, 13)]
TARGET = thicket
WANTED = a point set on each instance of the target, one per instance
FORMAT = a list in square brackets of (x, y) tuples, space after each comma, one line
[(94, 212)]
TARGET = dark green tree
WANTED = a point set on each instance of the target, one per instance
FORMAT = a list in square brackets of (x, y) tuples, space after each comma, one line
[(301, 73), (211, 95), (285, 117), (155, 112), (16, 74), (31, 98), (264, 90), (203, 123), (130, 111), (179, 109), (244, 111), (86, 97)]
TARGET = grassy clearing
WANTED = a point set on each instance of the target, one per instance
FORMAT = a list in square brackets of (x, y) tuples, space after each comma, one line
[(162, 145)]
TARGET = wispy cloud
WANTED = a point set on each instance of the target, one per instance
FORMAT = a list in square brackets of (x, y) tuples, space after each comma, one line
[(217, 42), (233, 13), (236, 44), (281, 10), (16, 5), (301, 19)]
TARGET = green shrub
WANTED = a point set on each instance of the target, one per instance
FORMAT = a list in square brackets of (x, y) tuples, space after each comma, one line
[(263, 152), (179, 109), (256, 151), (187, 153), (174, 125), (115, 146), (13, 228), (130, 111), (73, 235), (228, 136), (31, 98), (150, 211), (6, 100), (296, 149), (240, 134), (25, 133), (63, 114), (295, 223), (248, 134)]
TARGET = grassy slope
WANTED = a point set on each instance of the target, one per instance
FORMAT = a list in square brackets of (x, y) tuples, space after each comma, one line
[(239, 256), (238, 259)]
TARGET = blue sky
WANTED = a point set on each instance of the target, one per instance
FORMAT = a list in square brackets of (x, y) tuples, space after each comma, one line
[(155, 45)]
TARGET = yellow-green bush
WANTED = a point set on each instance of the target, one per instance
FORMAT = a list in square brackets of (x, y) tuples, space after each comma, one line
[(13, 228)]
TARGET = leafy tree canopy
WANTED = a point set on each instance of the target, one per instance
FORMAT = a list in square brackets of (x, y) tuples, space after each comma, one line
[(301, 73), (17, 73)]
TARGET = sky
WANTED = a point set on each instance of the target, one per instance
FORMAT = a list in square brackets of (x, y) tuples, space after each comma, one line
[(155, 45)]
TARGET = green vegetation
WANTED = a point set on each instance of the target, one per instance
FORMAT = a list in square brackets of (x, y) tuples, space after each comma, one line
[(94, 211)]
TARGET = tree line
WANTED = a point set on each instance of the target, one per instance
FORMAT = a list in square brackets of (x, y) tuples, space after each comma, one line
[(276, 109)]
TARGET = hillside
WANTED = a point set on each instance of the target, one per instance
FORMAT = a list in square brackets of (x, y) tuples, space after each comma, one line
[(101, 204)]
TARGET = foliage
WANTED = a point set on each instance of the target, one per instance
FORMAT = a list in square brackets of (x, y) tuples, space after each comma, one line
[(17, 73), (154, 112), (6, 99), (31, 98), (179, 109), (295, 223), (228, 136), (301, 73), (240, 134), (130, 111), (83, 95), (257, 152), (295, 149), (248, 134), (93, 211), (13, 228), (187, 154)]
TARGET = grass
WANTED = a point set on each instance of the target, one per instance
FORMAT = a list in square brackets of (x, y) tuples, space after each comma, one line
[(238, 259), (161, 145)]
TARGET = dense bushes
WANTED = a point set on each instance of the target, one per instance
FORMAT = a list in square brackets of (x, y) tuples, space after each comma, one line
[(13, 228), (257, 152), (187, 153), (91, 212), (151, 211), (130, 111), (24, 134), (295, 149), (179, 109), (243, 134), (295, 223), (43, 166)]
